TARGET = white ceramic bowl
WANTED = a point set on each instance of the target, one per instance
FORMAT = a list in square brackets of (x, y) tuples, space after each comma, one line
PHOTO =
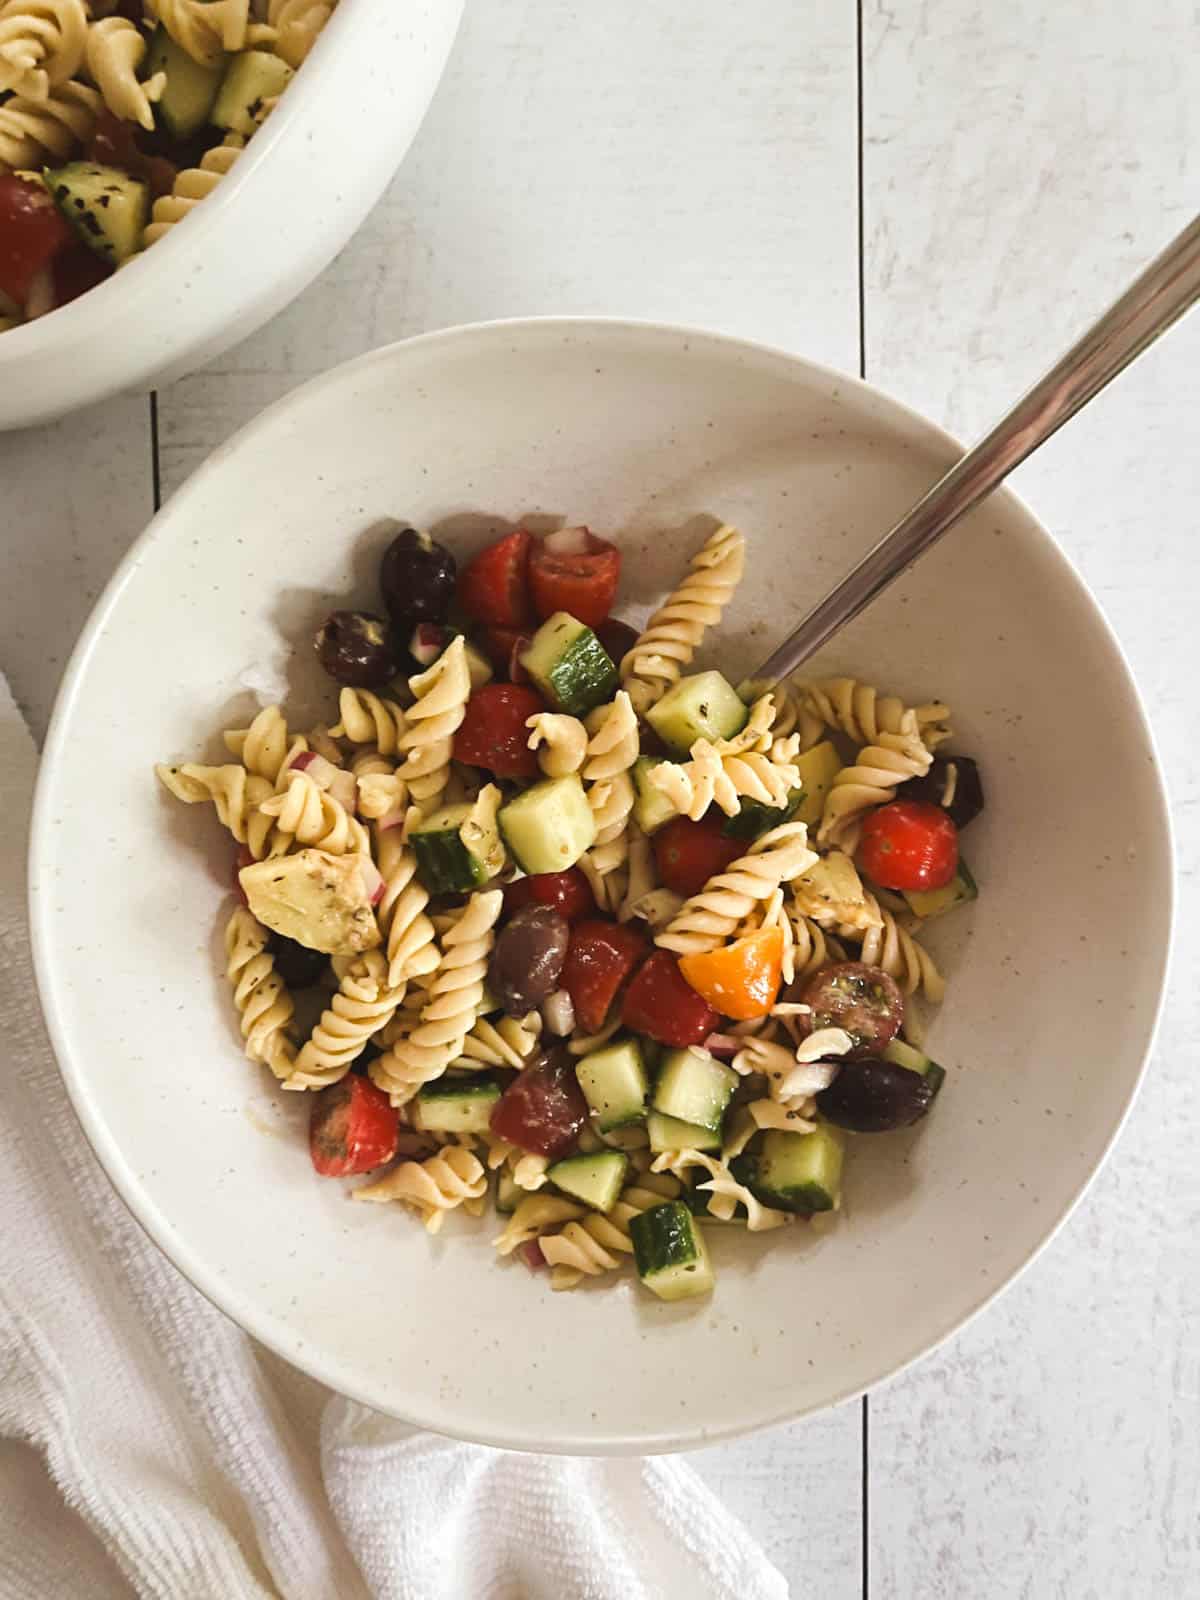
[(1055, 973), (306, 182)]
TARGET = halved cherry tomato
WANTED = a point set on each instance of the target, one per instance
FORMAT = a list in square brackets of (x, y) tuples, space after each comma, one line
[(353, 1128), (909, 844), (661, 1003), (568, 892), (494, 588), (600, 957), (75, 270), (31, 234), (493, 734), (742, 979), (687, 854), (863, 1001), (115, 143), (504, 648), (543, 1109), (574, 571)]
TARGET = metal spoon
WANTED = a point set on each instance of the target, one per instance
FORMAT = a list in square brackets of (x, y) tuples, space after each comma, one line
[(1169, 286)]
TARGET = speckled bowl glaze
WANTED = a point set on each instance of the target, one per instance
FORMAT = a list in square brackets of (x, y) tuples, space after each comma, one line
[(1055, 973), (306, 182)]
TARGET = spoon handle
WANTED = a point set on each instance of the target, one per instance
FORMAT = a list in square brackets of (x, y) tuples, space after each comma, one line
[(1167, 288)]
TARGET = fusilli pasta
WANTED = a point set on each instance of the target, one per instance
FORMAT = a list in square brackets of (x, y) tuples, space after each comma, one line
[(363, 1004), (508, 1042), (532, 1217), (204, 28), (872, 780), (236, 794), (264, 1005), (411, 951), (367, 718), (710, 917), (724, 1191), (293, 26), (893, 948), (34, 131), (597, 1242), (433, 1187), (441, 701), (42, 45), (307, 814), (264, 748), (115, 49), (191, 186), (561, 743), (863, 714)]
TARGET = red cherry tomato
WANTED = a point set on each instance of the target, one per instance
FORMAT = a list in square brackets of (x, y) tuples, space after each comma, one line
[(504, 648), (543, 1109), (909, 844), (600, 957), (75, 270), (617, 637), (569, 893), (117, 144), (31, 234), (493, 734), (353, 1128), (494, 588), (687, 854), (661, 1003), (583, 582)]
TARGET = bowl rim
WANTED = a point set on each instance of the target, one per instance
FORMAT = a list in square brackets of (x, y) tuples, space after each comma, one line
[(208, 1280), (118, 298)]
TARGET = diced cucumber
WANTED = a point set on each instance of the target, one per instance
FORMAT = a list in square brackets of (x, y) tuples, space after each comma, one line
[(445, 863), (936, 902), (818, 768), (509, 1193), (191, 87), (570, 665), (651, 808), (668, 1133), (905, 1055), (107, 209), (596, 1180), (670, 1252), (755, 818), (704, 706), (799, 1172), (457, 1105), (550, 825), (694, 1086), (253, 76), (614, 1083)]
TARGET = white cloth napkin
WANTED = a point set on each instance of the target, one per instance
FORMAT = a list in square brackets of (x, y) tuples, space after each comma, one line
[(148, 1447)]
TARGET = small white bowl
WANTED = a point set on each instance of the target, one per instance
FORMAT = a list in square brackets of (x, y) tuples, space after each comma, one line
[(305, 183), (1055, 972)]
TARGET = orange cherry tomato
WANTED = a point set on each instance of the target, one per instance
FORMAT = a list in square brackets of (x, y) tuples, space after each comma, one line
[(741, 980)]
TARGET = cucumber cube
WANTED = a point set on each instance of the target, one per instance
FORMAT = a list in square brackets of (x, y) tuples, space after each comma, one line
[(651, 808), (445, 864), (570, 665), (754, 818), (509, 1194), (704, 706), (253, 78), (596, 1180), (671, 1255), (818, 768), (694, 1086), (961, 889), (904, 1055), (668, 1133), (800, 1172), (550, 825), (614, 1084), (457, 1105)]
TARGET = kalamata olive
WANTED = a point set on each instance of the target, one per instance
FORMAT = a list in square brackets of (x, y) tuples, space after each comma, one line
[(617, 637), (862, 1000), (963, 785), (417, 577), (543, 1108), (296, 964), (357, 649), (527, 958), (874, 1096)]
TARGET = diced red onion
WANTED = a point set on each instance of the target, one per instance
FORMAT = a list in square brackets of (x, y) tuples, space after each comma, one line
[(516, 667), (531, 1254), (558, 1013), (302, 760), (41, 297), (372, 880), (809, 1077), (393, 819), (569, 542), (723, 1045), (427, 643)]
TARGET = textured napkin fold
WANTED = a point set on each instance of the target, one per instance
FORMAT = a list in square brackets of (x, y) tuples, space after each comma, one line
[(193, 1464)]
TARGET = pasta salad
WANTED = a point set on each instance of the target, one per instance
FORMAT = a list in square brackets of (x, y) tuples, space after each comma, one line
[(117, 117), (609, 939)]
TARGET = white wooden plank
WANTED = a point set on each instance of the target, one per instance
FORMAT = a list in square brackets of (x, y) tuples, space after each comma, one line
[(1021, 163), (626, 159), (75, 496)]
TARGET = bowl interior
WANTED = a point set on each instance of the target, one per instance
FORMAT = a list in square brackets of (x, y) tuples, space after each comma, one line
[(1055, 973)]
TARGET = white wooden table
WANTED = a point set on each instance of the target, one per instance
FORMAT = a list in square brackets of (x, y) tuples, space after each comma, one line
[(940, 196)]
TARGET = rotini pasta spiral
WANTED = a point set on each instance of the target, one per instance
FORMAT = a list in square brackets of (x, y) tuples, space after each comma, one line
[(641, 878), (724, 1191), (204, 28), (363, 1004), (307, 814), (454, 1176), (264, 748), (710, 777), (674, 633), (236, 794), (452, 1007), (812, 947), (597, 1242), (115, 49), (532, 1217), (872, 780), (863, 714), (42, 45), (191, 186), (264, 1005), (792, 715), (509, 1042), (35, 131), (893, 948), (710, 917), (441, 701), (292, 27), (613, 744), (371, 763), (366, 718), (561, 743), (381, 794), (411, 950)]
